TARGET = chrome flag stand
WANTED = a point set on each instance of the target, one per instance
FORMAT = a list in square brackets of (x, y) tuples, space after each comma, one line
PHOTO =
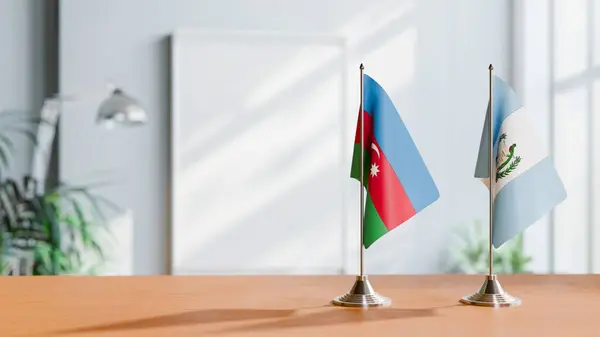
[(491, 293), (362, 294)]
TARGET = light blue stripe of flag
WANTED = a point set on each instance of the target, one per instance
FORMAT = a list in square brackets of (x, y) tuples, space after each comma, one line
[(528, 197), (525, 200)]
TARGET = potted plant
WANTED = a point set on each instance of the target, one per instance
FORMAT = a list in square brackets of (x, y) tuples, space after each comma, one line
[(60, 231), (471, 255)]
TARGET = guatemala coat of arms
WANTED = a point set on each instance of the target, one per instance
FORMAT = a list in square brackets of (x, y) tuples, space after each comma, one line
[(506, 160)]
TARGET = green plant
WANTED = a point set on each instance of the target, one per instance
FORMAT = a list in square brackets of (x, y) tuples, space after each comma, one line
[(77, 215), (471, 256), (65, 224)]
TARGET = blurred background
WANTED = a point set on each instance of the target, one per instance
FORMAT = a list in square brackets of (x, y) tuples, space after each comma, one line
[(233, 125)]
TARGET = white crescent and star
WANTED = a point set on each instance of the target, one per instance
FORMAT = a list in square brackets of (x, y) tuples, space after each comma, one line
[(374, 167)]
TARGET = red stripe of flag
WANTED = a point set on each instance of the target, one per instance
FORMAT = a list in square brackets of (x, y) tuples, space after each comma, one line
[(368, 130), (386, 191)]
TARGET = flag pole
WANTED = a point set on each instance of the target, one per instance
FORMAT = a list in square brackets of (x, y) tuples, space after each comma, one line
[(362, 173), (491, 170), (362, 293), (491, 293)]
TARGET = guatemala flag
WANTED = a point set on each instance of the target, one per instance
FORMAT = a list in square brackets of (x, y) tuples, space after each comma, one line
[(526, 185)]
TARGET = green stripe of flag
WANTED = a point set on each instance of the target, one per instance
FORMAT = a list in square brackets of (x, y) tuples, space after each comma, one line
[(355, 170), (374, 226)]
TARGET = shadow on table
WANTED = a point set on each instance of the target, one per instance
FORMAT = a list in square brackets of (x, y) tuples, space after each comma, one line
[(278, 319), (335, 316), (186, 318)]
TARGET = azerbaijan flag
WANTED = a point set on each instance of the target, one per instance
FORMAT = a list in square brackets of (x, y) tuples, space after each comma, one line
[(397, 181)]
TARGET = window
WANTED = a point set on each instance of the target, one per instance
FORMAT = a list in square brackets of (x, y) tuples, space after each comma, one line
[(557, 73)]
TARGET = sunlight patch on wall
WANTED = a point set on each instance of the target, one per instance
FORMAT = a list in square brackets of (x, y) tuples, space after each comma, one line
[(572, 162), (310, 63), (259, 153), (596, 37), (570, 45), (595, 183), (374, 17), (401, 72)]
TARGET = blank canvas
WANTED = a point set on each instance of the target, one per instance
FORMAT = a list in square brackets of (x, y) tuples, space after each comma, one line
[(259, 153)]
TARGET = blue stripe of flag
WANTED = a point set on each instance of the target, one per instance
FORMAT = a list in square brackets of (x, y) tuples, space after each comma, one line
[(398, 146)]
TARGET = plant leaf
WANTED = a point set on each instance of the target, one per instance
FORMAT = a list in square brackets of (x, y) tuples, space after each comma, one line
[(8, 142), (43, 252), (4, 155)]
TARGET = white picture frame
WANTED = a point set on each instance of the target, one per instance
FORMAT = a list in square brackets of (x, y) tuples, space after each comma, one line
[(292, 73)]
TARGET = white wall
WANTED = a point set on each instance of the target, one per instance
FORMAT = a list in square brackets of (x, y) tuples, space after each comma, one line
[(431, 55), (23, 57)]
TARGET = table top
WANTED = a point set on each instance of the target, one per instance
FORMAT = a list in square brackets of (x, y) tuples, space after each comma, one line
[(553, 305)]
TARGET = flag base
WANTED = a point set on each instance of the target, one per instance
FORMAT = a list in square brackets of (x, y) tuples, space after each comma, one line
[(361, 295), (491, 294)]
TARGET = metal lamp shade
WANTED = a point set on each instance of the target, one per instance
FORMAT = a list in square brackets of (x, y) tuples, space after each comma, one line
[(120, 109)]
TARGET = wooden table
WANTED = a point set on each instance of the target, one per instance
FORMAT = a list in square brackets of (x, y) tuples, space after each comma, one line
[(168, 306)]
